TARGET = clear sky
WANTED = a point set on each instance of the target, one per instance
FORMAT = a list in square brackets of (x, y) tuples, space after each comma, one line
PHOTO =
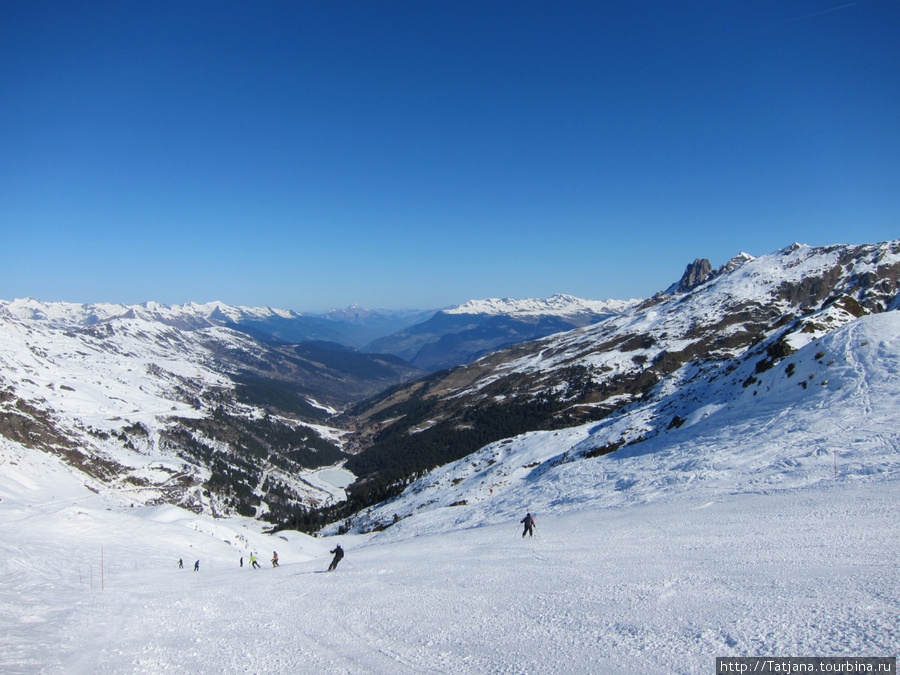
[(418, 154)]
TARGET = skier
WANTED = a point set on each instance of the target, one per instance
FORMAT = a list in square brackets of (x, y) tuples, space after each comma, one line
[(253, 564), (274, 559), (242, 561), (338, 554), (528, 521), (197, 566), (180, 564)]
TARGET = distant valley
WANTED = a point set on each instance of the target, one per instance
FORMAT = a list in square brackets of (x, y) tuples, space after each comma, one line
[(218, 408), (227, 410)]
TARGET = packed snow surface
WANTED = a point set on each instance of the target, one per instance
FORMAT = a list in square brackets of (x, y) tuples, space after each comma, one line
[(663, 586), (765, 525)]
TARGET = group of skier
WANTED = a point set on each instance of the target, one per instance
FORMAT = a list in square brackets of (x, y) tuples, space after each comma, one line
[(338, 552), (254, 564)]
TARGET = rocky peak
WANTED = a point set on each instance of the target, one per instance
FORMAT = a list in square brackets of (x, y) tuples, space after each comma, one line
[(695, 274), (700, 271)]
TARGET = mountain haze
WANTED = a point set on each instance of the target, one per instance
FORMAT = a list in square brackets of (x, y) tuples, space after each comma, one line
[(462, 334), (351, 327)]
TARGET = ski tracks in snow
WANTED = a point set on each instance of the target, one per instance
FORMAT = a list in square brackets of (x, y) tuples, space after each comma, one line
[(661, 587)]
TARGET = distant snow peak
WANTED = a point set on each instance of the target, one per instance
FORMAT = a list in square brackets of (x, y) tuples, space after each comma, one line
[(189, 315), (558, 304), (352, 313)]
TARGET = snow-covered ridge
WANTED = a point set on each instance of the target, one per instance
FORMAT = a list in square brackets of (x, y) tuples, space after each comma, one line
[(556, 305), (839, 388), (675, 323), (749, 317), (107, 391), (72, 315)]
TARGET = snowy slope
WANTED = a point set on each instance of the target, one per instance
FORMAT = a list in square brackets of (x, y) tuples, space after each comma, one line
[(837, 410), (108, 396), (83, 373), (749, 507), (750, 317), (655, 588), (762, 526)]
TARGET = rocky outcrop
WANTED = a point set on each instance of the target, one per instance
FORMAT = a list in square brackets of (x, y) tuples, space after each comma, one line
[(695, 274), (700, 271)]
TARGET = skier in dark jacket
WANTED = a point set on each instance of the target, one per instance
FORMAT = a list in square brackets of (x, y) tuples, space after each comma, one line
[(338, 554), (528, 521)]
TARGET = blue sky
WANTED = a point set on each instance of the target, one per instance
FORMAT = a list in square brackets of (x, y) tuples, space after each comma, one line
[(410, 154)]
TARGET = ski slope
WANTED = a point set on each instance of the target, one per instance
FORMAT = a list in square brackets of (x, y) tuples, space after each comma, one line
[(664, 587), (765, 525)]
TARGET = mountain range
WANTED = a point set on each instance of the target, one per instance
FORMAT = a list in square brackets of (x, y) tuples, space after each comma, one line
[(462, 334), (184, 405), (429, 339), (642, 366), (351, 327), (172, 404), (209, 406)]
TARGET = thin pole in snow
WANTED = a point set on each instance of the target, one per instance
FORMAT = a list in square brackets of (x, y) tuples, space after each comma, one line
[(102, 584)]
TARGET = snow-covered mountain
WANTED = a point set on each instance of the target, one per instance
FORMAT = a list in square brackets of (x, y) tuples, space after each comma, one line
[(745, 504), (700, 271), (461, 334), (737, 324), (190, 315), (826, 412), (556, 305), (351, 327), (161, 402), (195, 404)]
